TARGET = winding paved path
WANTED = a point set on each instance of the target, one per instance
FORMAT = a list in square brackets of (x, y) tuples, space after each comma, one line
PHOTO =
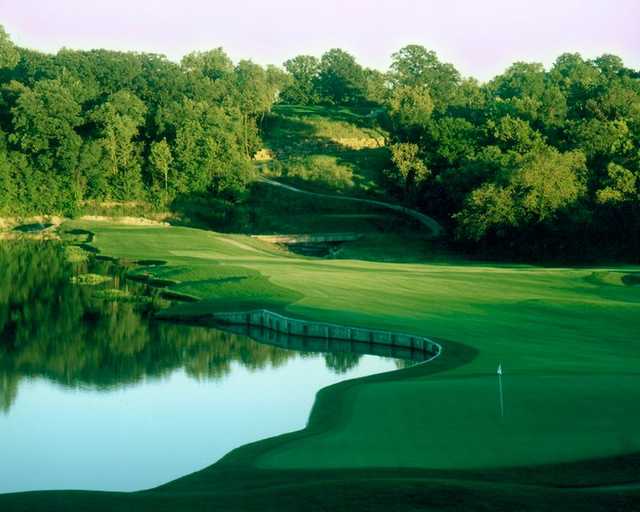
[(436, 229)]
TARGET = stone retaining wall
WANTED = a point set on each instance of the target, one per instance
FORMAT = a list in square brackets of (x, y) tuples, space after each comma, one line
[(309, 238), (324, 345), (268, 320)]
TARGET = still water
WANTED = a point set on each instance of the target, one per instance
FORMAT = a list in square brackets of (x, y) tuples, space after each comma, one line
[(96, 394)]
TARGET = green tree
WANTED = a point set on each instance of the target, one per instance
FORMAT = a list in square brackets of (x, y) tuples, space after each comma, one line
[(620, 198), (278, 81), (525, 91), (490, 207), (118, 122), (410, 106), (206, 151), (8, 189), (513, 134), (455, 141), (376, 82), (304, 72), (521, 79), (409, 171), (579, 81), (549, 181), (621, 186), (160, 159), (214, 64), (341, 80), (9, 55), (603, 141), (253, 95), (610, 65), (534, 190), (415, 66), (45, 119)]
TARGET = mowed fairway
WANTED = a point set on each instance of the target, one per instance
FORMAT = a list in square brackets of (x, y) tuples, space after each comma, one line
[(566, 338)]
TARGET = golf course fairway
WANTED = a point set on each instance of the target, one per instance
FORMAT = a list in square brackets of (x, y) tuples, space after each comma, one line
[(556, 429)]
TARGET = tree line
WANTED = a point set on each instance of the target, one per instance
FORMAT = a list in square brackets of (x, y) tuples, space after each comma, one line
[(535, 161), (103, 125)]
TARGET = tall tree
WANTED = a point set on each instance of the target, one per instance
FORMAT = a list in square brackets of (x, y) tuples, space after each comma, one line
[(214, 64), (160, 159), (8, 53), (341, 79), (206, 152), (410, 107), (8, 186), (253, 95), (415, 66), (118, 121), (409, 171), (304, 72), (278, 80), (45, 119), (532, 191)]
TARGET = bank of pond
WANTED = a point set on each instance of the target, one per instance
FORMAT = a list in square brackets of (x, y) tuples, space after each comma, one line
[(89, 380)]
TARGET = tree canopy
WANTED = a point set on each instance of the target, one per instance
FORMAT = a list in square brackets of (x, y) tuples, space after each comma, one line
[(99, 125), (535, 163), (535, 160)]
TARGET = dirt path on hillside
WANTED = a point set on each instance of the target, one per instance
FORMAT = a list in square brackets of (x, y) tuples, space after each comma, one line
[(433, 225)]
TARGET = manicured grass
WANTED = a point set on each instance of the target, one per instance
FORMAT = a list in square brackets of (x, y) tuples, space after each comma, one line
[(456, 423), (538, 322), (568, 343)]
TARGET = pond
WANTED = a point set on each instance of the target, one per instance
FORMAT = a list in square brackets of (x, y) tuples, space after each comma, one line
[(97, 394)]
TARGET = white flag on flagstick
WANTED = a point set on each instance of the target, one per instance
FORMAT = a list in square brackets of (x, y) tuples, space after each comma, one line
[(499, 372)]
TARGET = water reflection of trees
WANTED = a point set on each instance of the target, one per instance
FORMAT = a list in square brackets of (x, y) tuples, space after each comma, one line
[(341, 362), (52, 328)]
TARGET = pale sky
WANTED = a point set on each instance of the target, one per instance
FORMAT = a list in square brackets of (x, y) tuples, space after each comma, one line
[(480, 37)]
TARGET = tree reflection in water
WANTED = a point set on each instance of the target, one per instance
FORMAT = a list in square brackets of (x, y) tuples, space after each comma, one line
[(52, 328)]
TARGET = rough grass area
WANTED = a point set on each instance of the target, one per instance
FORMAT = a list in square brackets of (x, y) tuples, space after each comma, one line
[(123, 209), (323, 170), (327, 148), (614, 278), (433, 436)]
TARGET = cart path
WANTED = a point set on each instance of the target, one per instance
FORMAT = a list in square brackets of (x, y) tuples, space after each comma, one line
[(436, 229)]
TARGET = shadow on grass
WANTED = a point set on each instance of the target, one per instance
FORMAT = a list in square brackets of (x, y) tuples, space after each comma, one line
[(32, 228), (290, 133)]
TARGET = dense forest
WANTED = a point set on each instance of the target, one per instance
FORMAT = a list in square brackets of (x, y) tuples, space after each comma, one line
[(535, 163)]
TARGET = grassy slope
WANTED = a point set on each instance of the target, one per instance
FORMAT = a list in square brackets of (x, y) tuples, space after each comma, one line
[(567, 339), (327, 148)]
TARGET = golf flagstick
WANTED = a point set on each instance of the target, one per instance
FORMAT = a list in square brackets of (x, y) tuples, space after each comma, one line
[(499, 372)]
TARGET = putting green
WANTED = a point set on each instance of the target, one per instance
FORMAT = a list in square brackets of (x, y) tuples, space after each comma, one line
[(462, 425)]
